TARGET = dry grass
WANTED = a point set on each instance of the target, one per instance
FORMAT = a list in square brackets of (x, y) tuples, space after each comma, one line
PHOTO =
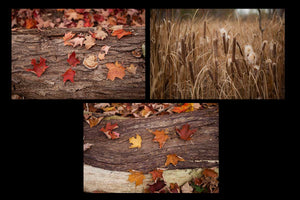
[(194, 58)]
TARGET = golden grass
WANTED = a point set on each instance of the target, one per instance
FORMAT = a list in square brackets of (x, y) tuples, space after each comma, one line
[(194, 58)]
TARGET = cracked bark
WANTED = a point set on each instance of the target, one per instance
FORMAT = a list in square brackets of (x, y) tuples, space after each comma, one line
[(88, 84), (200, 152)]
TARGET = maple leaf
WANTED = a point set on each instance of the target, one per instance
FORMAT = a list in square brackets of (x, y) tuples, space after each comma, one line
[(115, 70), (40, 68), (90, 61), (155, 187), (103, 52), (89, 42), (67, 37), (157, 173), (93, 121), (186, 188), (160, 137), (72, 60), (69, 75), (173, 158), (136, 142), (120, 33), (131, 69), (174, 188), (185, 133), (136, 177), (108, 131), (187, 107), (99, 34), (77, 41)]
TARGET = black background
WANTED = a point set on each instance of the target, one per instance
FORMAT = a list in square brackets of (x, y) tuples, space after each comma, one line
[(43, 141)]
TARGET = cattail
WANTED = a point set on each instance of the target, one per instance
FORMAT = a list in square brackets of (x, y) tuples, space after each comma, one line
[(215, 50), (274, 51), (204, 30), (233, 49)]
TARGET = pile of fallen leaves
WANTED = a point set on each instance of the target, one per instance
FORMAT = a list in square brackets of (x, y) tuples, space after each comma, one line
[(77, 18), (95, 112)]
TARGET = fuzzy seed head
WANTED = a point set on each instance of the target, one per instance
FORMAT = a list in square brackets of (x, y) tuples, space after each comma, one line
[(251, 58), (248, 49), (256, 67)]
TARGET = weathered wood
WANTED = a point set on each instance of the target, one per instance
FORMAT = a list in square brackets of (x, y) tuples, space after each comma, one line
[(97, 179), (88, 84), (200, 152)]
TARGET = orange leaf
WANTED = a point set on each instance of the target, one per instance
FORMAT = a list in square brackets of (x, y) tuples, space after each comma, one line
[(136, 177), (157, 173), (120, 33), (115, 70), (93, 121), (160, 137), (30, 23), (173, 158), (187, 107)]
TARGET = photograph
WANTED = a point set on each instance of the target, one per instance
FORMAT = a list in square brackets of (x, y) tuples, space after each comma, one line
[(217, 53), (151, 147), (78, 53)]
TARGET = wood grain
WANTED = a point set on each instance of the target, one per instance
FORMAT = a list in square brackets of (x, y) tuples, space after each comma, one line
[(200, 152), (88, 84)]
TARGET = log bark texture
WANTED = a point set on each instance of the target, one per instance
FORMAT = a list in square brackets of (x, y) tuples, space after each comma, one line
[(200, 152), (88, 84)]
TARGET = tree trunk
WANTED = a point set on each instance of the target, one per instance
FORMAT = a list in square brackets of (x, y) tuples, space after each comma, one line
[(200, 152), (88, 84)]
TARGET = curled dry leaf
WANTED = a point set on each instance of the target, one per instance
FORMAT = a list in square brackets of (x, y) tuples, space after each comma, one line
[(157, 173), (89, 42), (186, 188), (93, 121), (87, 146), (90, 61), (99, 34), (77, 41), (120, 33)]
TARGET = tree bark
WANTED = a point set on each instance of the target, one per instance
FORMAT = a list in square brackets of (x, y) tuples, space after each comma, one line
[(200, 152), (88, 84)]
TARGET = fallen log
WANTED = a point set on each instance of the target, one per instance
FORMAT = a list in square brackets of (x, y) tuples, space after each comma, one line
[(200, 152), (28, 44)]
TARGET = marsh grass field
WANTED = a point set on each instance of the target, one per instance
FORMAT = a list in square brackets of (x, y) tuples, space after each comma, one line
[(200, 57)]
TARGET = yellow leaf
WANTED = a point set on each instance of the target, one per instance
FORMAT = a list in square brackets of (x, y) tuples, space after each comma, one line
[(136, 177), (136, 142)]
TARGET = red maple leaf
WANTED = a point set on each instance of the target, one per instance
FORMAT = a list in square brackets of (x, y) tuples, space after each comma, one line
[(69, 75), (38, 69), (108, 131), (72, 60), (185, 132), (120, 33), (157, 186)]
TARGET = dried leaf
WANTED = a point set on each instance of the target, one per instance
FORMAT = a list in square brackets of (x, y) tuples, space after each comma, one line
[(90, 61), (93, 121), (99, 34), (136, 177), (40, 68), (131, 69), (69, 75), (136, 142), (115, 71), (120, 33), (187, 107), (89, 42), (72, 60), (87, 146), (157, 173), (108, 131), (209, 173), (157, 186), (77, 41), (173, 158), (185, 133), (160, 137)]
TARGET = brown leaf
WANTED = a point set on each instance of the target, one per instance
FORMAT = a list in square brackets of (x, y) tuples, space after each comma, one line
[(89, 42), (157, 173), (185, 133), (93, 121), (131, 69)]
